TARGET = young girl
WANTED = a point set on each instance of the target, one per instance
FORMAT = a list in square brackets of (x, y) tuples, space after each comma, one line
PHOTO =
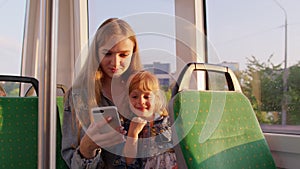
[(149, 134)]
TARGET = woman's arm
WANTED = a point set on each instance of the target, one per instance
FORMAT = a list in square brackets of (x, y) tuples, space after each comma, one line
[(71, 136), (88, 152), (81, 149)]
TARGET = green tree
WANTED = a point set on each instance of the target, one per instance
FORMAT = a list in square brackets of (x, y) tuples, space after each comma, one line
[(262, 83), (294, 95)]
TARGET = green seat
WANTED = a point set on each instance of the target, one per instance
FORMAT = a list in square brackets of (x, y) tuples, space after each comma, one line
[(60, 163), (18, 132), (60, 106), (219, 130)]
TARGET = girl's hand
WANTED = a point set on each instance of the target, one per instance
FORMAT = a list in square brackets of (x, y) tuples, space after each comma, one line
[(93, 139), (130, 149), (136, 126)]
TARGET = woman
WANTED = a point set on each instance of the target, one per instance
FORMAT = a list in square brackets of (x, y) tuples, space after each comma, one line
[(112, 57)]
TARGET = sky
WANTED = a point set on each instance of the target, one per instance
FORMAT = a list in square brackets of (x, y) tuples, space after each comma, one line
[(237, 29), (241, 29), (134, 13), (12, 15)]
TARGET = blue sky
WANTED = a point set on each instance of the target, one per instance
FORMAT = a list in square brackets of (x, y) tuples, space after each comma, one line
[(132, 12), (11, 34), (237, 29), (240, 29)]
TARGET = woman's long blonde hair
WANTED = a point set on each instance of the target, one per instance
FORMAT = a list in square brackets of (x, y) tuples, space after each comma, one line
[(86, 89)]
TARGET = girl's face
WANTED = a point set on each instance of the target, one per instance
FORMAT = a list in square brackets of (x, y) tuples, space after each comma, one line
[(116, 60), (142, 103)]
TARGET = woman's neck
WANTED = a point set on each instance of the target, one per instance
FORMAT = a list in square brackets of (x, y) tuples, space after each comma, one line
[(112, 84), (106, 87)]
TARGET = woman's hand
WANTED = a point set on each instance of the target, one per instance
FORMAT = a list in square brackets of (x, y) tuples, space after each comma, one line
[(93, 139)]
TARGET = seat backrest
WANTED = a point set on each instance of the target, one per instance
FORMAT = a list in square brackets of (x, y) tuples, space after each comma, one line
[(34, 83), (19, 127), (60, 107), (60, 163), (216, 127), (18, 132), (219, 130)]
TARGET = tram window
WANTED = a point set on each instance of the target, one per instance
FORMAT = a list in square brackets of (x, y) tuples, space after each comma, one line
[(12, 17), (250, 36), (131, 11), (10, 88), (216, 81)]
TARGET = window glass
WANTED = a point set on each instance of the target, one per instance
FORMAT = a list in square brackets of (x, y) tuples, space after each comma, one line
[(154, 23), (217, 81), (136, 13), (261, 39), (12, 17)]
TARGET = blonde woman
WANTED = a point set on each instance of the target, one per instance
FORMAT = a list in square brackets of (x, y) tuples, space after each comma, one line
[(112, 57)]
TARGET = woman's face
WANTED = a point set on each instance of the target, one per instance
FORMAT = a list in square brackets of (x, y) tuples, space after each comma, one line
[(142, 103), (116, 60)]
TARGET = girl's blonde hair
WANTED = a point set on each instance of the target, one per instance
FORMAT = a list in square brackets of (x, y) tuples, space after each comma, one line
[(146, 81)]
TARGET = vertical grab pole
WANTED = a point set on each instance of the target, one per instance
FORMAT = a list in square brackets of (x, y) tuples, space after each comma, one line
[(47, 84), (53, 108)]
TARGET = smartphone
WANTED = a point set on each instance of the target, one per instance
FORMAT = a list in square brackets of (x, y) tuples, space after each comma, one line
[(101, 113)]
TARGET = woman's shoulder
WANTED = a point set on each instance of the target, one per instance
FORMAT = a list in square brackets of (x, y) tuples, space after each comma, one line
[(68, 95), (68, 100)]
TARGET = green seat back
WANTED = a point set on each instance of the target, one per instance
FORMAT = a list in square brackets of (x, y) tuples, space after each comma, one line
[(60, 163), (18, 132), (219, 130), (60, 106)]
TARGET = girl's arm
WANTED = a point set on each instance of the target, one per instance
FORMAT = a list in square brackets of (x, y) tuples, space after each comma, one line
[(130, 149)]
